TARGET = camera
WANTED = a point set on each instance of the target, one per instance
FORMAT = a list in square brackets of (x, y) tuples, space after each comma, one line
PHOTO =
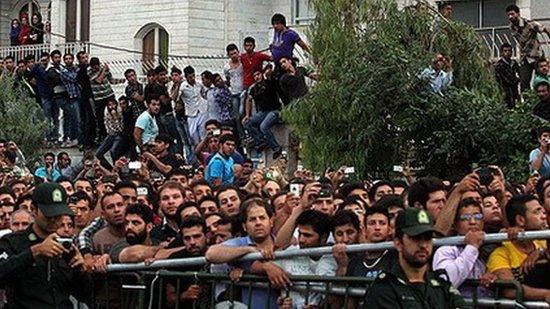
[(295, 189), (486, 176), (67, 243), (134, 165)]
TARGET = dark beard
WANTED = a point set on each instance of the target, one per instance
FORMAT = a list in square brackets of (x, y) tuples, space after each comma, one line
[(413, 262), (136, 239)]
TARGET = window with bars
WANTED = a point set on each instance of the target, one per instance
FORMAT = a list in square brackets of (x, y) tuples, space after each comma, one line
[(303, 12)]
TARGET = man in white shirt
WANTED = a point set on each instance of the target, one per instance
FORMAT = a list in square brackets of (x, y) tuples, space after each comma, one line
[(234, 77), (196, 106)]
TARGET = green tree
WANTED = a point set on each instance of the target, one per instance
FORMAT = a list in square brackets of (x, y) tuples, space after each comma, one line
[(22, 118), (370, 110)]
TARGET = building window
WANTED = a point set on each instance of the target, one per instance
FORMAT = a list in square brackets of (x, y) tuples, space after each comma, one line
[(481, 13), (28, 9), (77, 23), (153, 40), (303, 12)]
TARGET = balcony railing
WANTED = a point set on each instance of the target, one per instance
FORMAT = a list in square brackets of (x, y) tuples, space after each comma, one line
[(20, 52)]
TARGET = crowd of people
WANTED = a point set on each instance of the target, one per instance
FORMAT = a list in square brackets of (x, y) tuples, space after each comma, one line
[(63, 223)]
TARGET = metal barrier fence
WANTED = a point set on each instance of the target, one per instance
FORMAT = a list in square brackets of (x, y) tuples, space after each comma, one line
[(150, 291)]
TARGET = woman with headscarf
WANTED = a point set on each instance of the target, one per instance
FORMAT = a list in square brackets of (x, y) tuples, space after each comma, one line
[(25, 33), (37, 32), (14, 32)]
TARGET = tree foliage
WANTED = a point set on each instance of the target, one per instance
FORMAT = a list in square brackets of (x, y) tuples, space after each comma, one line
[(370, 110), (22, 119)]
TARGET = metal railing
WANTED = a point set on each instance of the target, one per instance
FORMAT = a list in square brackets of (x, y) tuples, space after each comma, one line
[(494, 37), (448, 241), (150, 291), (21, 51)]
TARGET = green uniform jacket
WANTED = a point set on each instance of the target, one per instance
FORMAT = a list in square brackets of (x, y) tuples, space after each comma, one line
[(392, 290), (41, 283)]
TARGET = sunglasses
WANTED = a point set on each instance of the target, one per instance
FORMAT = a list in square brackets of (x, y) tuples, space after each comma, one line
[(468, 217)]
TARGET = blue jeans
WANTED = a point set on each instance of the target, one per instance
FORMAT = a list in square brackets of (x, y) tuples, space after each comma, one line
[(51, 112), (236, 100), (110, 144), (71, 118), (259, 127), (188, 151)]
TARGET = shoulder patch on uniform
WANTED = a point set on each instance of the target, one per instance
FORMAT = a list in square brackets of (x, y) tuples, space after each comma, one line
[(4, 256), (434, 282), (382, 276), (454, 290)]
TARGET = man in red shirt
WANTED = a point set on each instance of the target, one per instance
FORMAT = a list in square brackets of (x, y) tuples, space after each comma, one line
[(251, 61)]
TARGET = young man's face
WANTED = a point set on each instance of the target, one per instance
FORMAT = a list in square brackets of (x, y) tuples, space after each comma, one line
[(324, 205), (492, 213), (249, 47), (66, 228), (258, 77), (286, 64), (68, 59), (44, 61), (8, 64), (258, 224), (136, 229), (131, 77), (535, 216), (201, 191), (83, 59), (381, 191), (308, 238), (417, 250), (176, 77), (207, 82), (543, 67), (447, 11), (113, 210), (377, 228), (160, 146), (208, 207), (436, 202), (229, 202), (170, 199), (190, 78), (513, 17), (222, 234), (154, 107), (194, 240), (543, 92), (233, 54), (123, 104), (84, 186), (277, 26), (506, 53), (470, 219), (82, 213), (49, 160), (228, 148), (346, 234), (218, 82), (163, 79), (111, 105)]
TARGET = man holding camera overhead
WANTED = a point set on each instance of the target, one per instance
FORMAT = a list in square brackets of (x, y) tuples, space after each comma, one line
[(539, 159), (37, 268)]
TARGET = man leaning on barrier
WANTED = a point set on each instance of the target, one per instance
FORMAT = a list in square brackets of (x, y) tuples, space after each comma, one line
[(37, 270), (410, 284)]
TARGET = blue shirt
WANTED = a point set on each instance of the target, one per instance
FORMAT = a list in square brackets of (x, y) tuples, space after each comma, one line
[(545, 168), (220, 167), (439, 81), (42, 172), (259, 295), (148, 124), (68, 77), (39, 73)]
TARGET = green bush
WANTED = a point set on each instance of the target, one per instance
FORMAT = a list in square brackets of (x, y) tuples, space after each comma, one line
[(370, 109), (22, 118)]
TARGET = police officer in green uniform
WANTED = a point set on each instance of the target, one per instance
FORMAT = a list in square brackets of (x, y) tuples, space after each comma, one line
[(410, 284), (36, 269)]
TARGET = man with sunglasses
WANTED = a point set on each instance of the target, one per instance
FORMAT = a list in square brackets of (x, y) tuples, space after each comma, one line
[(410, 283), (464, 262)]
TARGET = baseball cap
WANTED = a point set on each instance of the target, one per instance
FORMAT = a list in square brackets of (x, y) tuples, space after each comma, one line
[(414, 221), (51, 199)]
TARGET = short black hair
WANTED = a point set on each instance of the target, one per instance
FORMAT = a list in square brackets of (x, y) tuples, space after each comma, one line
[(542, 83), (61, 154), (128, 72), (214, 122), (49, 154), (175, 69), (7, 190), (125, 184), (225, 188), (81, 196), (278, 18), (516, 206), (250, 39), (208, 75), (376, 210), (161, 69), (398, 183), (44, 54), (512, 7), (543, 130), (226, 138), (372, 190), (346, 189), (165, 138), (343, 217), (94, 61), (420, 190), (8, 57), (390, 200), (207, 198), (505, 45), (188, 70), (143, 211), (193, 221), (254, 202), (467, 202), (320, 222), (443, 4), (231, 47)]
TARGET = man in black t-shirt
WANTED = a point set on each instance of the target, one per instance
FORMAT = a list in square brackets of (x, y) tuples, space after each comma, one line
[(161, 160), (264, 93)]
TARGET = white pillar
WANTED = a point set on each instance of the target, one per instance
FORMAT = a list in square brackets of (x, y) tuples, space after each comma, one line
[(525, 8), (78, 24), (59, 17)]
